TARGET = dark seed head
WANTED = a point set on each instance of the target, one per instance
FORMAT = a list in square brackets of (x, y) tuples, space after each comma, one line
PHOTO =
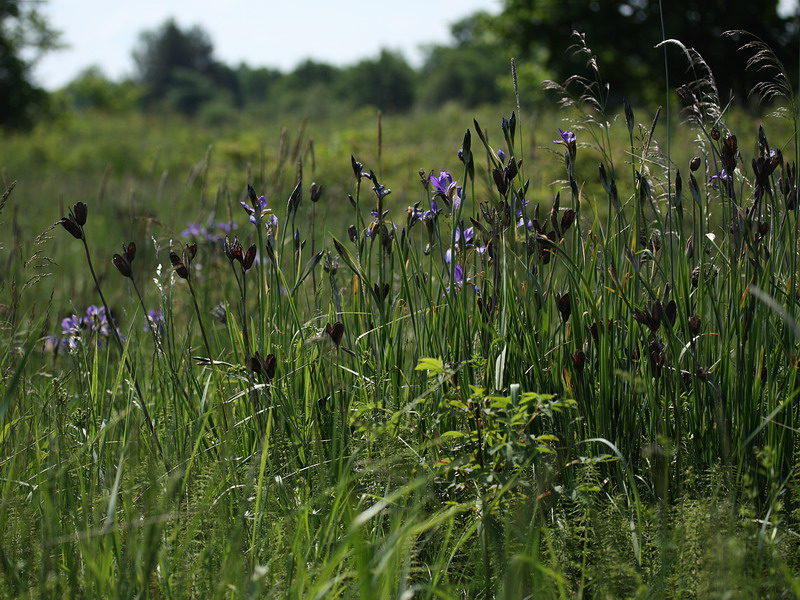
[(578, 360), (122, 264), (563, 305), (80, 212), (249, 257), (269, 366), (694, 325), (72, 227), (129, 251), (315, 192), (694, 164), (567, 219), (180, 267), (670, 312), (335, 331)]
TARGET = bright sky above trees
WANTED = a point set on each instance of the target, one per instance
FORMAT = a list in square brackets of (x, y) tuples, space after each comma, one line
[(271, 33)]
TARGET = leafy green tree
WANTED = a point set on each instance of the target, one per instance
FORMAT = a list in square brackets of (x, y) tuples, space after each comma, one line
[(91, 89), (179, 65), (386, 82), (468, 71), (308, 89), (623, 35), (24, 37), (256, 84)]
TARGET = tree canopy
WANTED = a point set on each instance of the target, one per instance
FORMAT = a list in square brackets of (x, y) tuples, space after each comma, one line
[(623, 34), (24, 37), (178, 67)]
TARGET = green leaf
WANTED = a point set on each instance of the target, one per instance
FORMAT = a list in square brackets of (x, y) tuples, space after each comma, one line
[(434, 366)]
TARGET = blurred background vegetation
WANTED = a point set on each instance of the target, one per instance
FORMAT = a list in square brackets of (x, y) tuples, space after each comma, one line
[(176, 69)]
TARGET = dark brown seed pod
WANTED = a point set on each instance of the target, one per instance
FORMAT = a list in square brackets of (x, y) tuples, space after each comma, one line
[(249, 257), (564, 307), (694, 325), (269, 366), (71, 226), (122, 264), (579, 360), (129, 251), (670, 312), (80, 211), (567, 219), (336, 331), (190, 253), (180, 267), (315, 192)]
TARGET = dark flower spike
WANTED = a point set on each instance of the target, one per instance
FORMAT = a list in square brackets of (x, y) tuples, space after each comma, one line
[(694, 164), (357, 167), (563, 305), (123, 265), (294, 199), (251, 193), (336, 331), (628, 115)]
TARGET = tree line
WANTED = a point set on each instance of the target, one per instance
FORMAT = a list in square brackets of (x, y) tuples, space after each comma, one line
[(176, 69)]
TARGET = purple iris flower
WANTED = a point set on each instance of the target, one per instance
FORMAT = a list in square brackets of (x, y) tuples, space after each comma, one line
[(95, 321), (193, 230), (722, 175), (567, 138), (257, 212), (442, 183), (155, 320), (458, 274)]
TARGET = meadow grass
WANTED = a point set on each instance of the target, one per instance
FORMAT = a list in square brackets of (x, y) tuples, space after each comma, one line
[(514, 375)]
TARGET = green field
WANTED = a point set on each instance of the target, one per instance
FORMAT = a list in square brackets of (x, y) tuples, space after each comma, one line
[(544, 379)]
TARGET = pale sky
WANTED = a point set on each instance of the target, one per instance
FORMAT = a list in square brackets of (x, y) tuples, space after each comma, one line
[(274, 33)]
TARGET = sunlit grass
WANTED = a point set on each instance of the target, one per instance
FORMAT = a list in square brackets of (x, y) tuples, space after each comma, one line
[(533, 378)]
